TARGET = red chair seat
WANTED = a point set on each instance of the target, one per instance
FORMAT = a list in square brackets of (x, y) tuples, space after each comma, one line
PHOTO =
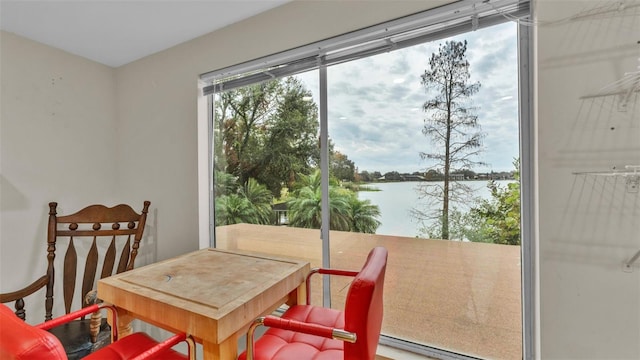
[(284, 344)]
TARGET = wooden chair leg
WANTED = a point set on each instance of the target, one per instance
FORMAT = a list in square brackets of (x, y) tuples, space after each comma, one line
[(96, 317), (94, 326)]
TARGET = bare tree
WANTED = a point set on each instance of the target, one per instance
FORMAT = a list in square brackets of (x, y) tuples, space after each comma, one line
[(451, 125)]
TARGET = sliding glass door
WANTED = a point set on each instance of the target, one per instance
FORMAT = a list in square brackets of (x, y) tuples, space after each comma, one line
[(416, 149), (387, 178)]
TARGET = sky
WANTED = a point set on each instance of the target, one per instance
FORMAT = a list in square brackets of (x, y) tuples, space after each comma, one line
[(375, 104)]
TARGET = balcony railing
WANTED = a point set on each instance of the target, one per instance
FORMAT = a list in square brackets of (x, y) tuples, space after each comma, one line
[(458, 296)]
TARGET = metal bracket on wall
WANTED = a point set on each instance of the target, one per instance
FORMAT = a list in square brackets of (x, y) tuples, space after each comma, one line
[(628, 265), (633, 178), (633, 183), (623, 89), (631, 175)]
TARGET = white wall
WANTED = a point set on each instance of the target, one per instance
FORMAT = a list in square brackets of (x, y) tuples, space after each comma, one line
[(589, 225), (57, 134), (157, 101)]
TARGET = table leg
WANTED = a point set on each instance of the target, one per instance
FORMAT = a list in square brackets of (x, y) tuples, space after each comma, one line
[(301, 294), (226, 350), (298, 296), (124, 322)]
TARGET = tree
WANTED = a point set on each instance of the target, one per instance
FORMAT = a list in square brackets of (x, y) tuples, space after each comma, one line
[(364, 176), (268, 132), (363, 215), (305, 208), (291, 139), (497, 220), (341, 167), (260, 198), (234, 209), (250, 204), (346, 211), (240, 118), (224, 183), (451, 125), (433, 175), (392, 176)]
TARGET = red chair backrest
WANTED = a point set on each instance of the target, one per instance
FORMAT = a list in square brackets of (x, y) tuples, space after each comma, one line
[(19, 340), (363, 308)]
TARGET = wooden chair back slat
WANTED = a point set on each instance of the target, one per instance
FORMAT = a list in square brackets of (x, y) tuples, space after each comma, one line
[(89, 271), (109, 259), (124, 257), (69, 277)]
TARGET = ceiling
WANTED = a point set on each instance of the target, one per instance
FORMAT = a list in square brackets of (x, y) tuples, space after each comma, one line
[(116, 32)]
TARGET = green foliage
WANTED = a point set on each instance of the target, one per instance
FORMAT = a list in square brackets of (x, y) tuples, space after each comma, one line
[(290, 139), (224, 183), (341, 167), (234, 209), (366, 176), (347, 212), (266, 131), (461, 227), (267, 137), (250, 204), (363, 215), (260, 198), (495, 220), (305, 206)]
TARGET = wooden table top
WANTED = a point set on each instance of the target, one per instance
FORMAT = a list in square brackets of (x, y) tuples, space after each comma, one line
[(210, 293)]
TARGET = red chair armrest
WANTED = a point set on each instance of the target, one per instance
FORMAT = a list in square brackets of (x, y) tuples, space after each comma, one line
[(297, 326), (325, 271), (337, 272), (168, 344), (309, 328), (67, 318), (80, 313)]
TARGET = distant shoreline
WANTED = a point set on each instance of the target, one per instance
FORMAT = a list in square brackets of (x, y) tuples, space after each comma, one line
[(432, 180)]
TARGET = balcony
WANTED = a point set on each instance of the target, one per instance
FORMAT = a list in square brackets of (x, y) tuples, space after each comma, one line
[(458, 296)]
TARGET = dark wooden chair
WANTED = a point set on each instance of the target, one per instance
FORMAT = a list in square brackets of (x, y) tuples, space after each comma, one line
[(120, 230)]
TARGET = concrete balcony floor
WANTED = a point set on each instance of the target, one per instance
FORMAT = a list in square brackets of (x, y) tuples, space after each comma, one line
[(458, 296)]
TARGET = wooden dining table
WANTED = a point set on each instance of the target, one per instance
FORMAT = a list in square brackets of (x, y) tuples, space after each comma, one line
[(211, 294)]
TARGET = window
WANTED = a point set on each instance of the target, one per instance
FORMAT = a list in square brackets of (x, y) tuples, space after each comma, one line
[(304, 142)]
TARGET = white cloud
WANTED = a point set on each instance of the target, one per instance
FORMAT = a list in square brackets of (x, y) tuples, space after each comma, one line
[(375, 103)]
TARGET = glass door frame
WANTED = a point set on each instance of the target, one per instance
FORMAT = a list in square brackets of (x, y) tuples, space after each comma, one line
[(527, 181)]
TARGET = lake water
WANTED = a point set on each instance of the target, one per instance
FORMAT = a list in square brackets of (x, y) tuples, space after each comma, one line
[(396, 199)]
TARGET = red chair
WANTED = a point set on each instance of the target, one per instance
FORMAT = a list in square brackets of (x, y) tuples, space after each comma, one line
[(19, 340), (313, 332)]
